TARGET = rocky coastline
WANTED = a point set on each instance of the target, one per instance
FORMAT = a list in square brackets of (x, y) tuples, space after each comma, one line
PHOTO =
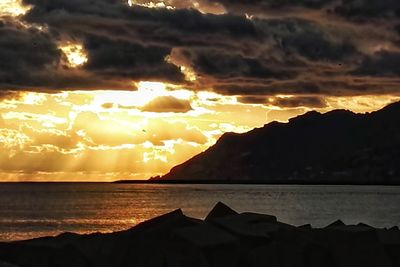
[(223, 238)]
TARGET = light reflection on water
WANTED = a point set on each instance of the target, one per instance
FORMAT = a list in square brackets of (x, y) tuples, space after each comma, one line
[(33, 210)]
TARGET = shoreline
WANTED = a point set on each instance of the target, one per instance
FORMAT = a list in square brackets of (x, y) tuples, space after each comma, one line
[(216, 182), (200, 182), (244, 182), (223, 238)]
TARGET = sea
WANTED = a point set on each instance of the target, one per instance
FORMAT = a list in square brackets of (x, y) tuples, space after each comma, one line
[(31, 210)]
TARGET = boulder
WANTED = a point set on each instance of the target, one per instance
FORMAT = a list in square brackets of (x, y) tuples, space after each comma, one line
[(6, 264), (288, 254), (354, 248), (336, 223), (145, 244), (249, 225), (162, 225), (390, 239), (219, 247), (41, 256), (353, 228), (182, 255), (305, 227), (225, 238), (206, 235), (220, 210), (365, 225)]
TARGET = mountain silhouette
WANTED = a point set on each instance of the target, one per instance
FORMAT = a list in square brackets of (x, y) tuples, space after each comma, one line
[(336, 147)]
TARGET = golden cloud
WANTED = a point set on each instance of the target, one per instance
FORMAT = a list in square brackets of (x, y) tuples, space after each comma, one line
[(69, 135)]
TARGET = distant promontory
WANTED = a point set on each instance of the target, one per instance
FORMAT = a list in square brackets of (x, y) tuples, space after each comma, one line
[(336, 147)]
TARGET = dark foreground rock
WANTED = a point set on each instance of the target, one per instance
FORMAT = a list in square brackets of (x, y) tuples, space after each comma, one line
[(225, 238)]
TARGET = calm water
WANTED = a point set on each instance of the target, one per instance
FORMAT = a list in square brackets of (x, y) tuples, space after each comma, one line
[(33, 210)]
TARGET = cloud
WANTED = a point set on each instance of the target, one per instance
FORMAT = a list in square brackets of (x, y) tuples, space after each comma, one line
[(222, 65), (107, 132), (300, 101), (158, 131), (127, 60), (272, 88), (276, 4), (9, 95), (2, 122), (329, 86), (205, 6), (363, 9), (286, 102), (288, 47), (54, 137), (283, 115), (252, 99), (380, 64), (70, 135), (360, 10), (108, 105), (25, 56), (32, 60), (167, 104)]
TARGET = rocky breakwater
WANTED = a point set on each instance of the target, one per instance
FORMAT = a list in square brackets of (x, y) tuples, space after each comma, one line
[(224, 238)]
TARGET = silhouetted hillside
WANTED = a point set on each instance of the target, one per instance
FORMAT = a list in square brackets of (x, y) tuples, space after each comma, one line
[(336, 147)]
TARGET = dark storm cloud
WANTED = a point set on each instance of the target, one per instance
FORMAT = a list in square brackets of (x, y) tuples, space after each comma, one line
[(382, 63), (286, 102), (315, 45), (23, 51), (397, 28), (265, 6), (122, 59), (286, 87), (364, 9), (252, 99), (186, 28), (352, 9), (167, 104), (288, 49), (299, 52), (328, 87), (223, 65), (31, 59), (301, 101)]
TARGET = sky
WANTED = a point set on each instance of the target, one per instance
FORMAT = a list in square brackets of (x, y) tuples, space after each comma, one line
[(126, 89)]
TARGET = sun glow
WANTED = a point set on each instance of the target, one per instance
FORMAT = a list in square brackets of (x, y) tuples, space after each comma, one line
[(13, 8), (190, 75), (202, 6), (134, 100), (108, 135), (149, 4), (184, 66), (75, 54)]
